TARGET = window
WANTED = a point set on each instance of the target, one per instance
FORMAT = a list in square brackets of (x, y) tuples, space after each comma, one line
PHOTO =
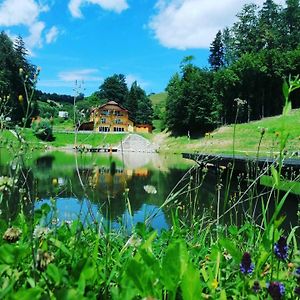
[(103, 129), (118, 121), (118, 113), (103, 120), (105, 112)]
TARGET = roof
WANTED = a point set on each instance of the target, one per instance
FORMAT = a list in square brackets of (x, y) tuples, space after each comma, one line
[(111, 103)]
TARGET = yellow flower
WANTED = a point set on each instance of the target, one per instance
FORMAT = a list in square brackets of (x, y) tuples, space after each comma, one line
[(21, 98), (215, 283)]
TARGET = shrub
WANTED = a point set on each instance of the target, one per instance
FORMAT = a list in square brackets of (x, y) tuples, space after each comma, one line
[(42, 129)]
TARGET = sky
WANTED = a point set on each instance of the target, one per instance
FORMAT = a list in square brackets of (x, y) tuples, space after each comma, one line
[(89, 40)]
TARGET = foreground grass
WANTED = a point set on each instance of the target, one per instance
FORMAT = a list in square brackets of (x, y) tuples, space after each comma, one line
[(246, 139), (68, 261)]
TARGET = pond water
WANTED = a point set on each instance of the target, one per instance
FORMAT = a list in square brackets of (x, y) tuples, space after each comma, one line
[(119, 189)]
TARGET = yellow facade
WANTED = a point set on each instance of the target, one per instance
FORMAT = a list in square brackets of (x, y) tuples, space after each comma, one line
[(111, 117)]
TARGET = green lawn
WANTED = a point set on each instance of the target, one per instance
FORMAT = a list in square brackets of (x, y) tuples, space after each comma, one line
[(68, 139)]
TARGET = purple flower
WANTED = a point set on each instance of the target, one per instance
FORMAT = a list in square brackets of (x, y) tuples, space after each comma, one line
[(281, 248), (276, 290), (297, 271), (246, 265), (256, 286)]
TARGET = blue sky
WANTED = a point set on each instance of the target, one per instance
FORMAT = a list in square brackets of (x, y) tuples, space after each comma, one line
[(92, 39)]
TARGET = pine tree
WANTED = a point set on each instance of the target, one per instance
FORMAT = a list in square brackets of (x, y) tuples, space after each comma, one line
[(114, 88), (216, 57)]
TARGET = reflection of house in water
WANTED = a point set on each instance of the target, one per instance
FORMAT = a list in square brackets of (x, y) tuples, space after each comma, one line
[(111, 182)]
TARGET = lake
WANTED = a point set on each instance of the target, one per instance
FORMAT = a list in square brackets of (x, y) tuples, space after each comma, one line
[(119, 190)]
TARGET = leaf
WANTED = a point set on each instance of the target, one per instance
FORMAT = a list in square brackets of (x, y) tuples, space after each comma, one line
[(223, 295), (174, 264), (275, 175), (68, 294), (232, 249), (285, 90), (190, 285), (54, 273), (10, 254), (60, 246), (28, 294)]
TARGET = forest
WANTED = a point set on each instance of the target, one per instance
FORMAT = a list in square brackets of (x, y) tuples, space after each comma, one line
[(248, 62)]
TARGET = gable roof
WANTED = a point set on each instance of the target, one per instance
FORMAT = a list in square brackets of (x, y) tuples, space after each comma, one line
[(114, 103)]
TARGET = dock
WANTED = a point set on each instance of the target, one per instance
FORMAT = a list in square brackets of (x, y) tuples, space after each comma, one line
[(242, 163), (95, 149)]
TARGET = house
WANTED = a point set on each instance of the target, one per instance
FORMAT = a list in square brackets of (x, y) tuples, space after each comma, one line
[(111, 117), (63, 114)]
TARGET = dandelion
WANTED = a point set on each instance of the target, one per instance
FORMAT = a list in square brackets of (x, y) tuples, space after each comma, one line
[(246, 265), (281, 248), (276, 290)]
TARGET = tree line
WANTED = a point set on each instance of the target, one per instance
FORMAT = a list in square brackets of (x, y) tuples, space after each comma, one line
[(248, 61)]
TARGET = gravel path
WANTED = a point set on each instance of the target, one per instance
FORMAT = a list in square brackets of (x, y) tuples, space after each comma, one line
[(137, 143)]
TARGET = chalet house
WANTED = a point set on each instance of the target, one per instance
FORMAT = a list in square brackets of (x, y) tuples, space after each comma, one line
[(111, 117)]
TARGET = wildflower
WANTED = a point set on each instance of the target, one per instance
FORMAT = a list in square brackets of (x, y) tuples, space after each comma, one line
[(297, 271), (21, 71), (150, 189), (12, 234), (21, 98), (297, 290), (281, 248), (246, 266), (276, 290), (40, 231), (262, 131), (256, 286), (43, 259), (215, 283)]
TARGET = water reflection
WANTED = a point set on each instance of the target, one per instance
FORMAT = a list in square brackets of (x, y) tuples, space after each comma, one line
[(101, 187)]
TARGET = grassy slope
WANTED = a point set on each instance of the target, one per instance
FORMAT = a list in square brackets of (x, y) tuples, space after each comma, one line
[(247, 137), (158, 99)]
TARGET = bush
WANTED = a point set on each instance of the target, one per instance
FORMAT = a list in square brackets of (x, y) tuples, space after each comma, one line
[(42, 129)]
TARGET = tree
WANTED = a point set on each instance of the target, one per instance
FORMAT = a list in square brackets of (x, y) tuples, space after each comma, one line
[(269, 26), (114, 88), (134, 95), (229, 47), (216, 57), (291, 16), (246, 30)]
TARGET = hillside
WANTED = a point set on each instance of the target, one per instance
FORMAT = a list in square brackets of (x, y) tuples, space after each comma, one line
[(247, 137)]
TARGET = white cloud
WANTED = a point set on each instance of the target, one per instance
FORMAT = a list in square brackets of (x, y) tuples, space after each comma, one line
[(25, 13), (84, 74), (114, 5), (52, 35), (131, 78), (184, 24), (35, 37)]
